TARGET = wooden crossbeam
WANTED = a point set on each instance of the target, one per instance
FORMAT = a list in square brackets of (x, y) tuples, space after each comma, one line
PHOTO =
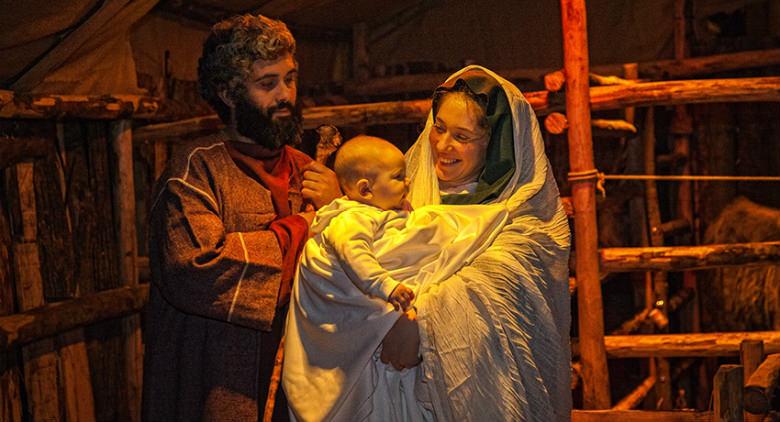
[(685, 345), (56, 318), (639, 416), (601, 98), (669, 69), (762, 384), (47, 106), (679, 258)]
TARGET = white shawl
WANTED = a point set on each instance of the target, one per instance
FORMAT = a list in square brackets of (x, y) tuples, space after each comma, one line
[(495, 336)]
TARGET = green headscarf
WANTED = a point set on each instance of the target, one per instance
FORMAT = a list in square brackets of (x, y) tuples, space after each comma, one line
[(499, 160)]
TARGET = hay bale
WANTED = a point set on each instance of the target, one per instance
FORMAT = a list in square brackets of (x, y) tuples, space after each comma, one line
[(742, 298)]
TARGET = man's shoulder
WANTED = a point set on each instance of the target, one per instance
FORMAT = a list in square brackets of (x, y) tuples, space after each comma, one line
[(206, 151)]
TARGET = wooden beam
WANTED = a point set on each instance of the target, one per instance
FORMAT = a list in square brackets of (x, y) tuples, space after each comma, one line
[(751, 353), (50, 106), (635, 398), (40, 358), (639, 416), (414, 111), (56, 318), (684, 345), (762, 384), (125, 220), (727, 394), (666, 69), (14, 150), (679, 258), (595, 376)]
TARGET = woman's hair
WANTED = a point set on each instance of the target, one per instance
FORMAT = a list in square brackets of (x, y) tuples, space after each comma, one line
[(231, 48), (472, 99)]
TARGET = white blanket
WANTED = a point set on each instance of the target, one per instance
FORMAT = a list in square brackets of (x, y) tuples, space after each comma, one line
[(334, 329)]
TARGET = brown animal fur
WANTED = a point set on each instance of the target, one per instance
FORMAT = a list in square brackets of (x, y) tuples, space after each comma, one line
[(743, 298)]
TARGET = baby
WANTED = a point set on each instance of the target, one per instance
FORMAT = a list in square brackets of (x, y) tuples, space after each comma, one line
[(368, 250), (372, 174)]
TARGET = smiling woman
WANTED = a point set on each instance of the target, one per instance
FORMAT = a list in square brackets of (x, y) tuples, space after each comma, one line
[(459, 141)]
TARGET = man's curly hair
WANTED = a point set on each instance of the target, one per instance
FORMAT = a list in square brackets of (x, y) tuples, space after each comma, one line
[(231, 48)]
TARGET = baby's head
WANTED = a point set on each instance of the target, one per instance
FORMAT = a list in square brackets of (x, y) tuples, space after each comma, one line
[(372, 171)]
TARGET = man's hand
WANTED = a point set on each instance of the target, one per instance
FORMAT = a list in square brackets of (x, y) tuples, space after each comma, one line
[(320, 185), (401, 345)]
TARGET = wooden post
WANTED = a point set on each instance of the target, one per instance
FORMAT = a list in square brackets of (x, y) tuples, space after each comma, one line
[(761, 387), (10, 381), (751, 353), (40, 358), (124, 218), (727, 394), (595, 380)]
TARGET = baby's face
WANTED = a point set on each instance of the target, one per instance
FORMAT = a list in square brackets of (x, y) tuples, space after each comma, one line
[(390, 185)]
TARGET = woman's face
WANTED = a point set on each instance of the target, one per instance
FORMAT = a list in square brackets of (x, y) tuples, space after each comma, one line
[(458, 142)]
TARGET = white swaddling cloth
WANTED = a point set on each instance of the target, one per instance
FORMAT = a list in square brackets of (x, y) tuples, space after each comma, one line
[(334, 329)]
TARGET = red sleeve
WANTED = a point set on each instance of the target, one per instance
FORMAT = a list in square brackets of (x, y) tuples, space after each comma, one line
[(291, 232)]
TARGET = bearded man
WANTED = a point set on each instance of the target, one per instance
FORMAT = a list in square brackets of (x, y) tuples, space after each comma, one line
[(228, 220)]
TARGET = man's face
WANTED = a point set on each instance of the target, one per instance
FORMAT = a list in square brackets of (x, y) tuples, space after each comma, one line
[(267, 112)]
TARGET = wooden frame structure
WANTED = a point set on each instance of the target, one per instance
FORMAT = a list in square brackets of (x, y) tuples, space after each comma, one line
[(39, 323)]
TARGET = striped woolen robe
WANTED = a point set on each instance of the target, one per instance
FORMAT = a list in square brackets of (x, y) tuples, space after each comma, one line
[(213, 322)]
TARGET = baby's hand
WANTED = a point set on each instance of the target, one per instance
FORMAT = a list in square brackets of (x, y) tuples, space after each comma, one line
[(401, 297)]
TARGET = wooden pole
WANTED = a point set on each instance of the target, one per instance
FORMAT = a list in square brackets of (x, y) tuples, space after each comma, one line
[(634, 398), (51, 319), (762, 385), (727, 394), (684, 345), (638, 416), (680, 258), (602, 98), (595, 378), (663, 388), (40, 358), (74, 364), (10, 375), (124, 217), (751, 353), (659, 69)]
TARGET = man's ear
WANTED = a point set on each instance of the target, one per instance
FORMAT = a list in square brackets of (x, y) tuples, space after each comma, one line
[(364, 189), (226, 98)]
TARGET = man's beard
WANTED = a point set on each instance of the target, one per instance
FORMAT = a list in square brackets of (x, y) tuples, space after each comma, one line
[(259, 125)]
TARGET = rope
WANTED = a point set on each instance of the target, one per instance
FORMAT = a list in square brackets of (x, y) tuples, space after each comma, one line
[(586, 175), (681, 177), (593, 174)]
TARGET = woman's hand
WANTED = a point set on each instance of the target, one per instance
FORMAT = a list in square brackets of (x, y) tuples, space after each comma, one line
[(401, 345)]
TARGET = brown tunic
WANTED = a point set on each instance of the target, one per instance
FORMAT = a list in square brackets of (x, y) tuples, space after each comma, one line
[(213, 322)]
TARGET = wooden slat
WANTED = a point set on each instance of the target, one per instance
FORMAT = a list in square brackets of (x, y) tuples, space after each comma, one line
[(595, 376), (762, 385), (56, 318), (685, 345), (679, 258), (634, 398), (601, 98), (727, 394), (125, 221), (668, 69), (40, 358), (639, 416), (50, 106), (751, 353)]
